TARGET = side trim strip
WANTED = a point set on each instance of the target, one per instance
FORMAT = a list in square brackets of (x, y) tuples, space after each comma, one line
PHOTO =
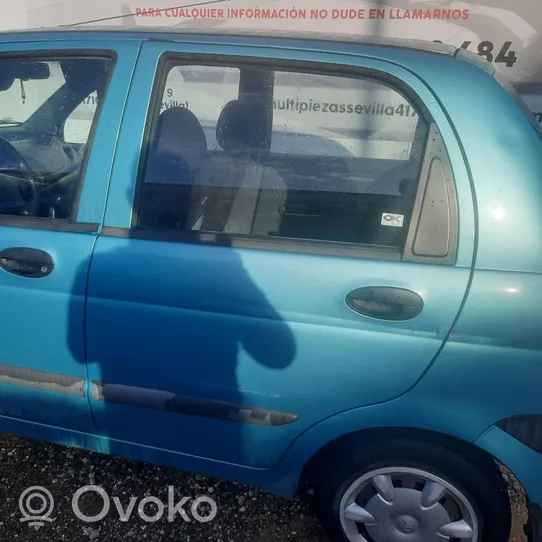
[(193, 406), (48, 224), (44, 380), (144, 397)]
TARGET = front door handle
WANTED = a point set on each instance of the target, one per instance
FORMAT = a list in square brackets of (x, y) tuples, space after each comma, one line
[(26, 262), (385, 302)]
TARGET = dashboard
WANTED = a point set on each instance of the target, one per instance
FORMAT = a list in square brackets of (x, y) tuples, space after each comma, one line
[(50, 160)]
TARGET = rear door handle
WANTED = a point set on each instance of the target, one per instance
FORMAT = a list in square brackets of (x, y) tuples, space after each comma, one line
[(26, 262), (385, 302)]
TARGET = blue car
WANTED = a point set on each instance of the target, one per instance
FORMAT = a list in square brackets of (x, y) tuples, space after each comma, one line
[(287, 261)]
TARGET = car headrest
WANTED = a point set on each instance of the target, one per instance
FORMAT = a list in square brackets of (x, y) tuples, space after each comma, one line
[(242, 125), (179, 134)]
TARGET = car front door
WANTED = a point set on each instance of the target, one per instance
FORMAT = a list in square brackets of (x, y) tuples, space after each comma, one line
[(269, 259), (56, 152)]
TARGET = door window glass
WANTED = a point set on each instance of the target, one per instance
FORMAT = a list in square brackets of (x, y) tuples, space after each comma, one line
[(204, 90), (46, 114), (283, 154), (341, 116)]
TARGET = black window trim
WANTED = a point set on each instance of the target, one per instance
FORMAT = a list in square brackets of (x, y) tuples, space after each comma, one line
[(65, 224), (169, 59)]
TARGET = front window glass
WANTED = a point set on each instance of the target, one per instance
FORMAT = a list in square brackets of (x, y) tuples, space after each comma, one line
[(47, 109)]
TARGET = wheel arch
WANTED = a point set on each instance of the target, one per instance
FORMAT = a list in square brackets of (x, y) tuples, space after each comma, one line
[(478, 456), (473, 472)]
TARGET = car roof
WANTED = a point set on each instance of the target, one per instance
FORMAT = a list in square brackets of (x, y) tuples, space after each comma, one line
[(179, 33), (315, 41)]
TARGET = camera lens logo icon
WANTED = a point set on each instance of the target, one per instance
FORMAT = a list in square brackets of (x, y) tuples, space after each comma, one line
[(36, 505)]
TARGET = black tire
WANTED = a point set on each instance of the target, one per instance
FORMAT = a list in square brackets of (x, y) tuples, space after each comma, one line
[(475, 476)]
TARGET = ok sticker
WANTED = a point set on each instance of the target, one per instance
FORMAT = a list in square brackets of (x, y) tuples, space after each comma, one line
[(392, 219)]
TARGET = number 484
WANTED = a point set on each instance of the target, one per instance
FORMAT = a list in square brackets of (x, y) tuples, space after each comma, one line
[(486, 49)]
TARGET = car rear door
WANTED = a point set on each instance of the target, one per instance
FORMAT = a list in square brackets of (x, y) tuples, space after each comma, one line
[(58, 152), (226, 338)]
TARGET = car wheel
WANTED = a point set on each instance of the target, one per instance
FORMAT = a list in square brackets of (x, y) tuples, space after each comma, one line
[(400, 491)]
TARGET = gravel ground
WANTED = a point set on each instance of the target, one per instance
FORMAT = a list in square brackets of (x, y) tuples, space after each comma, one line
[(242, 514)]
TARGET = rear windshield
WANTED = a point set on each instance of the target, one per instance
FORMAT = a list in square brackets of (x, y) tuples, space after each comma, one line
[(520, 102)]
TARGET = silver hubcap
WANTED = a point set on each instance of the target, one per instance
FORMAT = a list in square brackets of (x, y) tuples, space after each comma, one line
[(400, 504)]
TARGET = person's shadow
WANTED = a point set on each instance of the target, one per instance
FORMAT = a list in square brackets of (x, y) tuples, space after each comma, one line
[(168, 338)]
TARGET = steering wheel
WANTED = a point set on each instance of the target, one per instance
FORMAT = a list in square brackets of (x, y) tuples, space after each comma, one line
[(19, 192)]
